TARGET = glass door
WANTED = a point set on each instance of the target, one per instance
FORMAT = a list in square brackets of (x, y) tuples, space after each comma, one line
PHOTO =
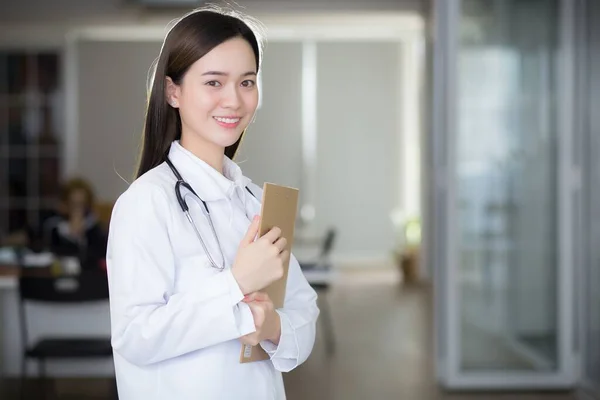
[(590, 88), (503, 135)]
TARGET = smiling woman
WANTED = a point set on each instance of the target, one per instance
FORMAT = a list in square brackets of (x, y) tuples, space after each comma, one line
[(216, 99), (186, 288), (207, 69)]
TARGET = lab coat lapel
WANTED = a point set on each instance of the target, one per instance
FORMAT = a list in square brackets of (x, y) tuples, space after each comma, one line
[(201, 176), (253, 204)]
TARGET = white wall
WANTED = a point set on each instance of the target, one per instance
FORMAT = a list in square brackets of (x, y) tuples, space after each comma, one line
[(358, 151), (278, 124), (111, 100)]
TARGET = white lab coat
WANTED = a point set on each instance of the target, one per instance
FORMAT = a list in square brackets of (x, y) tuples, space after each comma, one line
[(176, 321)]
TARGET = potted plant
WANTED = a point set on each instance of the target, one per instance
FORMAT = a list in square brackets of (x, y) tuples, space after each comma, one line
[(408, 240)]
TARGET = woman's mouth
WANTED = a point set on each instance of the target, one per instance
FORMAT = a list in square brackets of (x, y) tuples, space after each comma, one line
[(228, 122)]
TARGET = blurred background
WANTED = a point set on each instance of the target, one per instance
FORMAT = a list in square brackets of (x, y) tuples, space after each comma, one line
[(447, 154)]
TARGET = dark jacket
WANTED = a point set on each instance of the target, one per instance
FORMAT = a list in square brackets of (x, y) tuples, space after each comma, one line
[(90, 249)]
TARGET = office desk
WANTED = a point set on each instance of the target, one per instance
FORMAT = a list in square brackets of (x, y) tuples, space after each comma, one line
[(9, 275)]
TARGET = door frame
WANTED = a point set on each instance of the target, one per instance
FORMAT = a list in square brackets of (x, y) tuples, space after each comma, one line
[(448, 292), (585, 17)]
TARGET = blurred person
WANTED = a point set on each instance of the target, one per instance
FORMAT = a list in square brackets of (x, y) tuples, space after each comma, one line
[(76, 230), (185, 293)]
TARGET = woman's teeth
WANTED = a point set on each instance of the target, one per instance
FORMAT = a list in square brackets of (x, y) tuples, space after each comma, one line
[(227, 120)]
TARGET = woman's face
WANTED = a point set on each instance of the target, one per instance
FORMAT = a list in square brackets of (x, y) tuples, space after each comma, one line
[(218, 96), (78, 201)]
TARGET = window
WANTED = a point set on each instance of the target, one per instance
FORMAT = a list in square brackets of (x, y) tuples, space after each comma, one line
[(30, 138)]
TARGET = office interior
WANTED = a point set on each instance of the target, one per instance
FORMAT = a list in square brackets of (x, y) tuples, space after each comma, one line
[(447, 156)]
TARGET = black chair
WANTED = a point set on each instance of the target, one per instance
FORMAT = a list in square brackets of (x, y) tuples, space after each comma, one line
[(319, 274), (90, 286)]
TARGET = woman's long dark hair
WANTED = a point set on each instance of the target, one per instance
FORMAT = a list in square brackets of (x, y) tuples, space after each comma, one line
[(191, 38)]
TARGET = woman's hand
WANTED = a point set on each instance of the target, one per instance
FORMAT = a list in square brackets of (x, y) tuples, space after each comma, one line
[(266, 320), (259, 262)]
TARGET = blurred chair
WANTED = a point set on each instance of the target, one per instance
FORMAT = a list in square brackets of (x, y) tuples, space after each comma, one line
[(319, 274), (85, 288)]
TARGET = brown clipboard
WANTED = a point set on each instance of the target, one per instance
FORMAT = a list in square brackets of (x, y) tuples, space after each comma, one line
[(279, 208)]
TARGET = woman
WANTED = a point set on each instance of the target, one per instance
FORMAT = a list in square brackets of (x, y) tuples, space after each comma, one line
[(76, 231), (181, 313)]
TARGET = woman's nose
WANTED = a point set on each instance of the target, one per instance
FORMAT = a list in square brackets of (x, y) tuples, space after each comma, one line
[(231, 98)]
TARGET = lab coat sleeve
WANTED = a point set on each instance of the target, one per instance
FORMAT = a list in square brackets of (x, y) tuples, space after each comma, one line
[(298, 322), (150, 322)]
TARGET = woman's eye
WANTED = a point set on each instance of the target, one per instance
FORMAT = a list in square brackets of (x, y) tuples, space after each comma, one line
[(248, 83), (213, 83)]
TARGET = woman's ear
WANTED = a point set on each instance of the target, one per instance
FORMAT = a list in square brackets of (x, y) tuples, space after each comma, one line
[(172, 93)]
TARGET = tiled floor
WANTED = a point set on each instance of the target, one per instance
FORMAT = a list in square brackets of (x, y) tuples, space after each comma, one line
[(383, 338)]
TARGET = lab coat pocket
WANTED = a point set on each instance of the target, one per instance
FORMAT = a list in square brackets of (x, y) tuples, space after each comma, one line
[(192, 271)]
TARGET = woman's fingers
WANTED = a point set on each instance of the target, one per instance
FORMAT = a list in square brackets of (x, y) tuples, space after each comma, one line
[(272, 235), (281, 243), (251, 232), (249, 297), (285, 254), (261, 296), (256, 296)]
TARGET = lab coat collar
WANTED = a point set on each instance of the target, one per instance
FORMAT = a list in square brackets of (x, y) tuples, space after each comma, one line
[(207, 182)]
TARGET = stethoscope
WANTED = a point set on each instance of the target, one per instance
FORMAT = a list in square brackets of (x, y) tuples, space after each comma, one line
[(184, 207)]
